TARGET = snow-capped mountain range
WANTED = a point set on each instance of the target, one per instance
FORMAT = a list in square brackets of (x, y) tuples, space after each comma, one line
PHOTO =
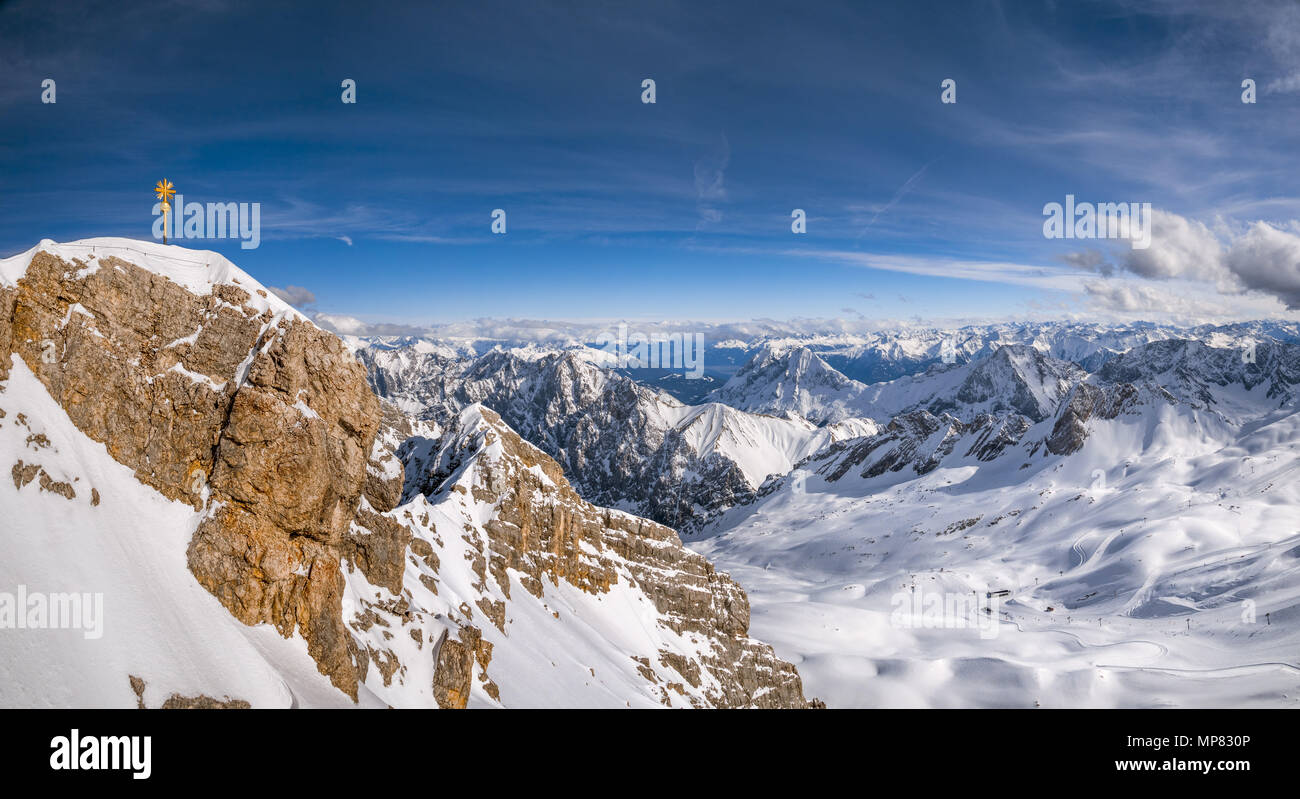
[(1057, 463), (1015, 515), (628, 444), (625, 444)]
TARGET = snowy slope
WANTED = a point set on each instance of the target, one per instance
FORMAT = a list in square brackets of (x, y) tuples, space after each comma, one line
[(159, 624), (759, 445), (1157, 565)]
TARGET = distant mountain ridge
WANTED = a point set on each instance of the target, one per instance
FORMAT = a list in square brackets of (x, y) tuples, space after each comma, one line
[(631, 445), (624, 444)]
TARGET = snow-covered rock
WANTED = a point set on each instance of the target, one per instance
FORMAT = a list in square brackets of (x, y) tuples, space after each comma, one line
[(216, 469)]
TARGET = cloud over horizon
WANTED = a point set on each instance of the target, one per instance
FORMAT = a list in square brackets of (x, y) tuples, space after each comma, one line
[(1234, 259)]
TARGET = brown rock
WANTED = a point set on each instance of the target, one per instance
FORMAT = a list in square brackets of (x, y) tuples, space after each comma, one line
[(24, 473), (57, 486), (284, 451), (453, 672), (377, 545), (7, 298), (203, 702)]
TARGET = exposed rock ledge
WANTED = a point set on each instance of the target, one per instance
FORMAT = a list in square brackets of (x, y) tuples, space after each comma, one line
[(235, 404)]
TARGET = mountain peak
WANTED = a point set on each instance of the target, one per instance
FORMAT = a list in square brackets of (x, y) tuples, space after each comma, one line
[(197, 271), (797, 380)]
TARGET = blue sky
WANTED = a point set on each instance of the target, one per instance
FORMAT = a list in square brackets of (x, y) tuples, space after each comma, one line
[(680, 209)]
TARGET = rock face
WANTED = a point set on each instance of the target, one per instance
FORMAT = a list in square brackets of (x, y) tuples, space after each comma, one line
[(918, 440), (289, 473), (219, 396), (255, 416), (1015, 378), (1088, 402), (8, 296), (1193, 373)]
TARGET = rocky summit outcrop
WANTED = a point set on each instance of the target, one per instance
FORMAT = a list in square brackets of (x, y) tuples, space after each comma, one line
[(222, 400), (402, 579)]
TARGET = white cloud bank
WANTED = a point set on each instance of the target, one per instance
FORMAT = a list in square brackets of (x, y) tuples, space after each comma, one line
[(1257, 258)]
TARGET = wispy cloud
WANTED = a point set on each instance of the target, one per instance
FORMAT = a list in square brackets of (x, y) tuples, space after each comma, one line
[(711, 182), (1049, 278), (898, 195)]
